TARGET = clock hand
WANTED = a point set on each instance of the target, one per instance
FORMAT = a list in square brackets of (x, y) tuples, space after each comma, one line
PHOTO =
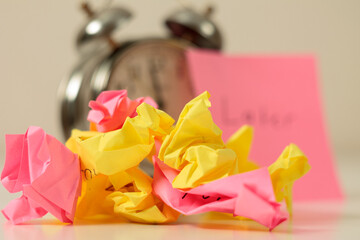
[(134, 74), (153, 70)]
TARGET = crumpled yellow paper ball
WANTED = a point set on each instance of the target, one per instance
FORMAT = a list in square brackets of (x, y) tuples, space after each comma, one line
[(195, 147), (112, 183)]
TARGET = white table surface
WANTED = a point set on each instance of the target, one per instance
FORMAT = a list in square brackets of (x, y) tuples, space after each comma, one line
[(315, 220)]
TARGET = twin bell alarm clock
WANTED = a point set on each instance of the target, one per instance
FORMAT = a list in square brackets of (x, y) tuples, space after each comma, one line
[(149, 66)]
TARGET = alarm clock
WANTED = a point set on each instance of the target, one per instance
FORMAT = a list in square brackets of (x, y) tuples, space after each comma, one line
[(152, 66)]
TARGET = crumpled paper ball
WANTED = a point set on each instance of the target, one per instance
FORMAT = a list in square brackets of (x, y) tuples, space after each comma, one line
[(47, 173), (111, 108), (194, 149), (113, 185)]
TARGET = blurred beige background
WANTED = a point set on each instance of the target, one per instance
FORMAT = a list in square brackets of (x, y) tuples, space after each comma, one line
[(37, 51)]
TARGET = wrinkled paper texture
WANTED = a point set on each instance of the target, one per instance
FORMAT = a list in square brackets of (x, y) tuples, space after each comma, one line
[(46, 172), (194, 155), (113, 183), (111, 108)]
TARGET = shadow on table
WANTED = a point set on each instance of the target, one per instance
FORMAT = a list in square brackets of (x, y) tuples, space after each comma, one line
[(308, 219)]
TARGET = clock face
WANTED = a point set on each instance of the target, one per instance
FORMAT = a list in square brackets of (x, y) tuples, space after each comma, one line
[(155, 68)]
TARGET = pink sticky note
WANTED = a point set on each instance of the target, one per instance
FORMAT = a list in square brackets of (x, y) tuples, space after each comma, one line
[(279, 96), (249, 195), (45, 171)]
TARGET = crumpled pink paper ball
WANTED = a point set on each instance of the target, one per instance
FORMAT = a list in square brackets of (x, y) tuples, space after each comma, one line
[(247, 194), (111, 108), (45, 171)]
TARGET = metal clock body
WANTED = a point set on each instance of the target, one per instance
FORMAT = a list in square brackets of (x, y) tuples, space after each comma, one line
[(154, 67), (148, 67)]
